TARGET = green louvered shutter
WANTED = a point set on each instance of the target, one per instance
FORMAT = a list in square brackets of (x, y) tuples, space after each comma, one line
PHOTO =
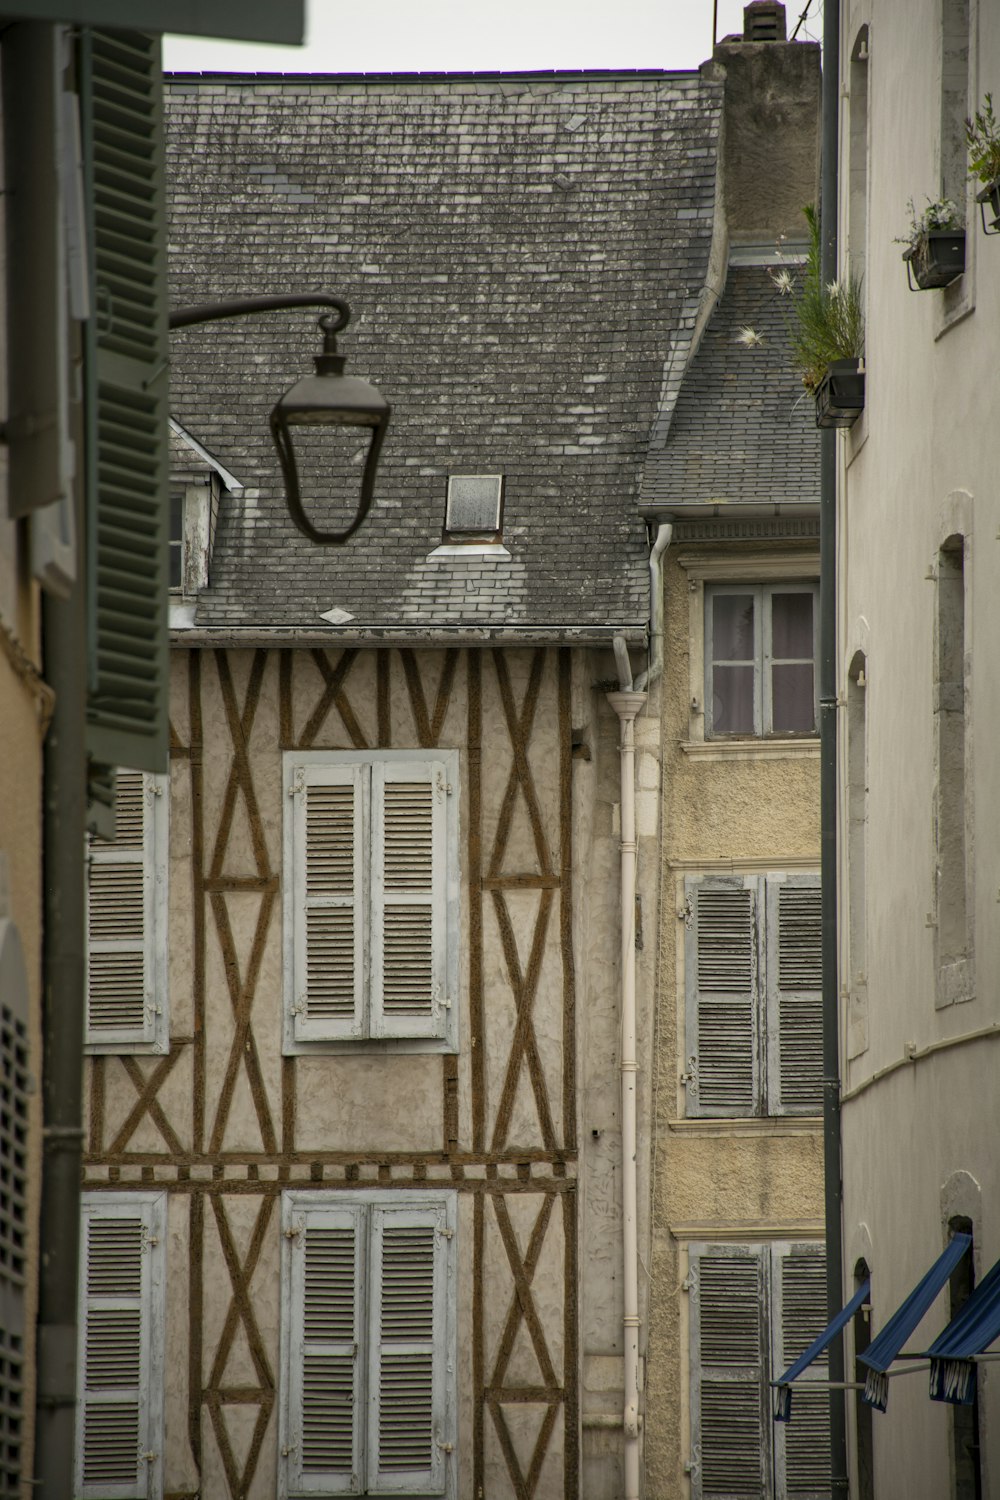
[(798, 1316), (729, 1418), (126, 492)]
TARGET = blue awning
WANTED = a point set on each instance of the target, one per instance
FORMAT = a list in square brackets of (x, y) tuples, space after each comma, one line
[(971, 1330), (783, 1387), (886, 1346)]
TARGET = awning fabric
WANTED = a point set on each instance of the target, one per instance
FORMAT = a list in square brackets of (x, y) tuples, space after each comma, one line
[(973, 1329), (783, 1387), (886, 1346)]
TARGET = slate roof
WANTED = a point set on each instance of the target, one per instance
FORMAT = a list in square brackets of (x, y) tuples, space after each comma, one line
[(743, 429), (524, 257)]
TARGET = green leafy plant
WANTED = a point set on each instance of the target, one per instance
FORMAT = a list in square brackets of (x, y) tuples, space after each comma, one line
[(828, 318), (982, 136), (940, 214)]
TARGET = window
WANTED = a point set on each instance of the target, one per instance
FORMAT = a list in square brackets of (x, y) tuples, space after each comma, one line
[(760, 649), (371, 898), (176, 541), (474, 508), (127, 922), (966, 1452), (953, 906), (752, 962), (755, 1308), (857, 203), (857, 853), (367, 1344), (194, 509), (119, 1429)]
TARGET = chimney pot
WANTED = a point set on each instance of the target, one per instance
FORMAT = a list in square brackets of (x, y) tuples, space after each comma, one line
[(764, 21)]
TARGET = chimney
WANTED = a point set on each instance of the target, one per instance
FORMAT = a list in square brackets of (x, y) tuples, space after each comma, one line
[(764, 21)]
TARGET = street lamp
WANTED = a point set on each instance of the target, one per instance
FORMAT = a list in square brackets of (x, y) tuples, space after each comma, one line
[(329, 398)]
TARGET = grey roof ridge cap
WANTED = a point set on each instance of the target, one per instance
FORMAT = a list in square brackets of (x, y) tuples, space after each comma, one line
[(697, 510), (399, 635), (485, 75), (229, 480)]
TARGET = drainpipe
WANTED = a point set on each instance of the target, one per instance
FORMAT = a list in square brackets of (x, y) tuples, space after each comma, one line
[(646, 679), (626, 705), (828, 778)]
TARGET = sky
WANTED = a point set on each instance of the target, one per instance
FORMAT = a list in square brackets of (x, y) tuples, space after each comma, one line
[(391, 36)]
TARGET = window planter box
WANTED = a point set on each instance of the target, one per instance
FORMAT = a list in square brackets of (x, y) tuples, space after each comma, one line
[(936, 259), (840, 395), (990, 195)]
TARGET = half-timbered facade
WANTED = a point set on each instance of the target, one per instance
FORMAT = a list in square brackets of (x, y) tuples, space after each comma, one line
[(354, 1164)]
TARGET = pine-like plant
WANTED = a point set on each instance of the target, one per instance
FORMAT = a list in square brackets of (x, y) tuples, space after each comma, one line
[(982, 136), (829, 318)]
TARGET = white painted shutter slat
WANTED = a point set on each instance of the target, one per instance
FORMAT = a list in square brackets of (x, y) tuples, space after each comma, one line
[(119, 1395), (794, 995), (407, 1373), (323, 1415), (798, 1316), (126, 920), (727, 1355), (722, 989), (328, 900), (409, 890)]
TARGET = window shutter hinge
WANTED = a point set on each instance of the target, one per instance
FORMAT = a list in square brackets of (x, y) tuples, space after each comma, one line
[(154, 789), (446, 1447), (686, 914), (298, 785), (151, 1457), (447, 1234), (686, 1284), (691, 1076), (293, 1231)]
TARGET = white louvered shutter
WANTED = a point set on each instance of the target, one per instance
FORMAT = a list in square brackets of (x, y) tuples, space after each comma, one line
[(327, 894), (127, 921), (408, 1377), (728, 1373), (323, 1412), (409, 899), (798, 1316), (722, 964), (794, 995), (120, 1376)]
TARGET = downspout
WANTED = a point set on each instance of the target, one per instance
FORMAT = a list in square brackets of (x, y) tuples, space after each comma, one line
[(828, 776), (653, 670), (626, 705)]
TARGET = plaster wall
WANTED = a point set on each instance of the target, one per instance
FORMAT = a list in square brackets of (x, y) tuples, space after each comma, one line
[(737, 1180), (918, 468), (499, 1123)]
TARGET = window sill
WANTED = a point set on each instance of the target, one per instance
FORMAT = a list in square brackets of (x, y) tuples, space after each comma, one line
[(373, 1046), (752, 749), (757, 1126)]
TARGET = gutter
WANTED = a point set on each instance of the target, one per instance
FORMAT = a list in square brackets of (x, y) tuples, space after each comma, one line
[(602, 636), (832, 1166), (654, 668)]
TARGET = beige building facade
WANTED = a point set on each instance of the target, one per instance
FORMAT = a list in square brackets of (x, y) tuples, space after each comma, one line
[(917, 525)]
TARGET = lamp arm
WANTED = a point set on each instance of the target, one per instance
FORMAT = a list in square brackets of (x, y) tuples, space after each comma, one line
[(239, 307)]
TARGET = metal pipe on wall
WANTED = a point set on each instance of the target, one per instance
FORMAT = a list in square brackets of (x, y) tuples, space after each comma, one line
[(828, 777), (627, 705)]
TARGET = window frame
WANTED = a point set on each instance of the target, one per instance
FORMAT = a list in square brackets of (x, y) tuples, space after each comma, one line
[(762, 592), (764, 998), (366, 1210), (770, 1258), (154, 1036), (151, 1207), (372, 1030)]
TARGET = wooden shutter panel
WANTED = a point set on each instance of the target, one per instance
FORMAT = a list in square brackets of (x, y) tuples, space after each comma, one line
[(126, 365), (409, 898), (127, 921), (119, 1383), (15, 1110), (798, 1316), (323, 1410), (794, 995), (408, 1376), (327, 894), (721, 969), (728, 1379)]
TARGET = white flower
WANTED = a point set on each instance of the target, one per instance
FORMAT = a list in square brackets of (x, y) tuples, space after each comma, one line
[(783, 280), (835, 288), (749, 338)]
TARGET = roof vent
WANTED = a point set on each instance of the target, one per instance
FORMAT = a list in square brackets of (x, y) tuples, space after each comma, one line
[(474, 510), (764, 21)]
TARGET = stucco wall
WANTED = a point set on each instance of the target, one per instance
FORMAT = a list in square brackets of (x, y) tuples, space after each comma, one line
[(743, 1180)]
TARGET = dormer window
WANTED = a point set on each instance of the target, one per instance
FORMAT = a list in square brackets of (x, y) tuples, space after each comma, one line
[(193, 511), (474, 508)]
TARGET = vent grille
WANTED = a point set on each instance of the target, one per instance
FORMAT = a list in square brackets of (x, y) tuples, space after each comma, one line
[(800, 935), (726, 950), (13, 1145)]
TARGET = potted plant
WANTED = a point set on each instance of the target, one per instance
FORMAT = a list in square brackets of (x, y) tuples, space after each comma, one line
[(935, 245), (982, 136), (828, 336)]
